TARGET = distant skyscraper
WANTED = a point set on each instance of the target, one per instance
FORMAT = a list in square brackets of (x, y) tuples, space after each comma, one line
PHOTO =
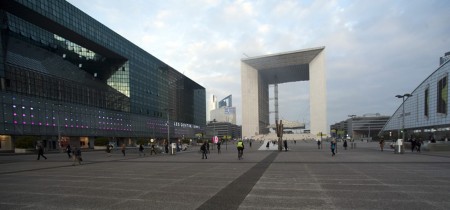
[(225, 112), (212, 105), (227, 101)]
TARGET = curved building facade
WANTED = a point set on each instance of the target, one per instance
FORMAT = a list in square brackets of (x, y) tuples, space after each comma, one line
[(65, 77), (425, 114)]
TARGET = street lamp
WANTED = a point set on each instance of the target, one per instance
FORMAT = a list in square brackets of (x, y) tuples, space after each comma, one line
[(352, 141), (406, 95), (352, 116), (168, 124), (57, 125)]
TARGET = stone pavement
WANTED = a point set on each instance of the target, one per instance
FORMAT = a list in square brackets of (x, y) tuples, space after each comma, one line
[(302, 178)]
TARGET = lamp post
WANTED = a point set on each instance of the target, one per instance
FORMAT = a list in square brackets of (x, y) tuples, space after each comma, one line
[(406, 95), (57, 126), (352, 141), (168, 124), (214, 133), (352, 116)]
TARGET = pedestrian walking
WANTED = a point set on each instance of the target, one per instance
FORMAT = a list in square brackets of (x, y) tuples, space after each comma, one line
[(207, 147), (418, 144), (382, 144), (285, 145), (152, 149), (141, 150), (123, 149), (108, 150), (268, 145), (40, 152), (204, 150), (333, 147), (68, 151), (77, 156), (218, 147), (166, 146), (250, 143), (345, 144), (318, 144), (413, 144)]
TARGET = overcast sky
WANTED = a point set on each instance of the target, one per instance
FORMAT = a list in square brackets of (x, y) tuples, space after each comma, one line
[(374, 49)]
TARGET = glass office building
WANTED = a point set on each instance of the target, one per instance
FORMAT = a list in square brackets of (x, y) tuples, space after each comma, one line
[(65, 77), (425, 113)]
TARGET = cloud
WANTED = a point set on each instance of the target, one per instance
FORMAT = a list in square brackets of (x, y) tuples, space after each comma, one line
[(374, 49)]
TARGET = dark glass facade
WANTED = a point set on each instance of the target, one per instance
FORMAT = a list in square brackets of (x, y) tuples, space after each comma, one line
[(62, 72)]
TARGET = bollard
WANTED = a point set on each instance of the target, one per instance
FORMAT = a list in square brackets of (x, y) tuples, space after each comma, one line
[(174, 146), (399, 149)]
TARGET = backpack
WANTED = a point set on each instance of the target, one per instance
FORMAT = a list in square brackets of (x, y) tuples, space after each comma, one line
[(202, 147)]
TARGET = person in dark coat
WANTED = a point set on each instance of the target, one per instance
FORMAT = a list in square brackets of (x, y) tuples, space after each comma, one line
[(345, 144), (40, 152), (285, 145), (141, 150), (218, 147), (204, 150), (166, 146), (268, 145), (69, 150), (77, 156)]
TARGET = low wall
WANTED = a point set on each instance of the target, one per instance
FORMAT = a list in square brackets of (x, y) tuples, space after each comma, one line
[(439, 146)]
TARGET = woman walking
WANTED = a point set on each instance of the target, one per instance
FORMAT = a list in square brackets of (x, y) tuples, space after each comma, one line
[(333, 147)]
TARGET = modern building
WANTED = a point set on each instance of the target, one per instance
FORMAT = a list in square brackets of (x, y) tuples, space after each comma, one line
[(224, 112), (423, 113), (66, 78), (223, 130), (257, 73), (362, 127)]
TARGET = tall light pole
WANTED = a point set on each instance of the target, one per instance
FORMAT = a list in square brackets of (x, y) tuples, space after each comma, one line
[(168, 124), (406, 95), (352, 116), (352, 141), (57, 125)]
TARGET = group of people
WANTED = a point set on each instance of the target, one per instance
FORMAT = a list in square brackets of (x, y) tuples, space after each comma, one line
[(415, 144), (74, 154), (285, 145), (204, 149)]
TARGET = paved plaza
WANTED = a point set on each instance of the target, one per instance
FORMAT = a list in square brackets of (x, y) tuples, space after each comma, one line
[(302, 178)]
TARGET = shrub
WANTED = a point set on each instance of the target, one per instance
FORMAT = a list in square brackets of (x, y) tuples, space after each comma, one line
[(101, 141), (26, 142), (141, 141)]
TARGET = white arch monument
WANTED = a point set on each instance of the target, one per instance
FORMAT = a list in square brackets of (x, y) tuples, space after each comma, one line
[(257, 73)]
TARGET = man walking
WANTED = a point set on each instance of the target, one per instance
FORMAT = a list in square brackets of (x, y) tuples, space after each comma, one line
[(123, 149), (40, 152), (204, 150), (152, 149), (77, 156), (218, 147)]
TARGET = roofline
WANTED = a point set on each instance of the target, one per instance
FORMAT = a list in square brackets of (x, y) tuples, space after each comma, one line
[(283, 53)]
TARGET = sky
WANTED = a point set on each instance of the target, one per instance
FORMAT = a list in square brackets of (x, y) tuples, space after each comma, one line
[(374, 50)]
